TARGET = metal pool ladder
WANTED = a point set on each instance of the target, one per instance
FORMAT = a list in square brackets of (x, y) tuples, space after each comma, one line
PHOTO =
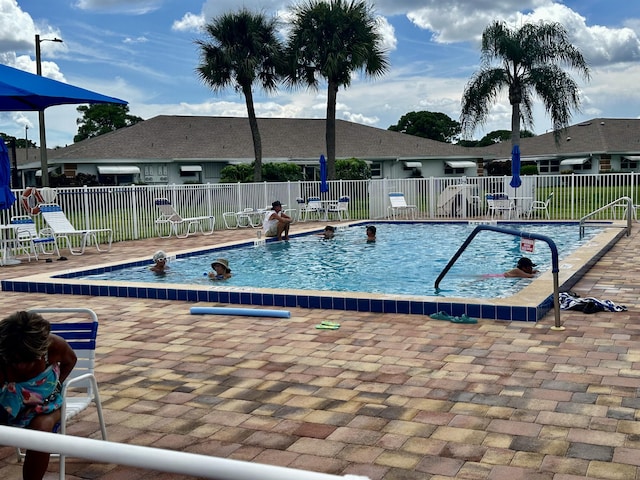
[(516, 233)]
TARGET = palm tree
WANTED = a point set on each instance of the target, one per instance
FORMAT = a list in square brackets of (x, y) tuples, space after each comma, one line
[(332, 40), (243, 49), (531, 59)]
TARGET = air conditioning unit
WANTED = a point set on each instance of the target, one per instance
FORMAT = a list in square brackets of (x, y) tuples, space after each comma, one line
[(164, 179), (148, 179)]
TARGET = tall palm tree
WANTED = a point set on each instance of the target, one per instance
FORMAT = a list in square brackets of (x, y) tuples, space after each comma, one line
[(332, 40), (242, 49), (531, 60)]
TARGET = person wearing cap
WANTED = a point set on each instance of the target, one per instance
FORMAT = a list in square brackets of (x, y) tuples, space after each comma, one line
[(221, 270), (160, 262), (276, 223), (524, 269)]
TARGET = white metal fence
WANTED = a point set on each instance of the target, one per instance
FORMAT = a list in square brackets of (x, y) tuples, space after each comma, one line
[(130, 210)]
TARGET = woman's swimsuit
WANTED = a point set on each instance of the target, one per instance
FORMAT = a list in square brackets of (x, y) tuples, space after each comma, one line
[(22, 401)]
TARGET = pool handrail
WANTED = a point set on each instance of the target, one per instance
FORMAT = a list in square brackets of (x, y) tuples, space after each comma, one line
[(157, 459), (516, 233), (629, 213)]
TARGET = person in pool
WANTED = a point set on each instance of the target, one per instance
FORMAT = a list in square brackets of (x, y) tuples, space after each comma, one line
[(34, 363), (160, 262), (328, 233), (524, 269), (371, 234), (221, 270)]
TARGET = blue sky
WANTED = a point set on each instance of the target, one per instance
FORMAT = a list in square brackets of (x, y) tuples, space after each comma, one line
[(143, 51)]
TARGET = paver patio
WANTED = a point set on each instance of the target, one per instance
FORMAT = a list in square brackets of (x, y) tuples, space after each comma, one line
[(391, 397)]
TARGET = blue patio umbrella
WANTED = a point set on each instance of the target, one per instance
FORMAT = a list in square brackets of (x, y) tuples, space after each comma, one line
[(23, 91), (6, 195), (515, 167), (324, 186)]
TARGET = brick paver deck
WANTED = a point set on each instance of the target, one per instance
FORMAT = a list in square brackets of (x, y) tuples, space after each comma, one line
[(391, 397)]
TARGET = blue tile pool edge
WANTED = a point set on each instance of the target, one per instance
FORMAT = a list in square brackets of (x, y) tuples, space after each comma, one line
[(297, 300)]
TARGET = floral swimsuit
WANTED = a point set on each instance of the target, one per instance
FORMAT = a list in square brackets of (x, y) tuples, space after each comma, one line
[(22, 401)]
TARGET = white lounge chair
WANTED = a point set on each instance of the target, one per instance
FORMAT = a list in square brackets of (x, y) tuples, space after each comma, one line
[(62, 229), (399, 206), (169, 217), (29, 241), (80, 389)]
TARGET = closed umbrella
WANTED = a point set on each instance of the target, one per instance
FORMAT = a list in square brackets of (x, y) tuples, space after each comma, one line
[(324, 186), (7, 198), (516, 181)]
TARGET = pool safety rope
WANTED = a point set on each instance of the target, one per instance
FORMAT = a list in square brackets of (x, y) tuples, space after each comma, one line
[(249, 312)]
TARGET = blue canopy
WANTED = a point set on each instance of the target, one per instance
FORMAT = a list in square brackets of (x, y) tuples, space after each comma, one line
[(515, 167), (6, 195), (24, 91), (324, 186)]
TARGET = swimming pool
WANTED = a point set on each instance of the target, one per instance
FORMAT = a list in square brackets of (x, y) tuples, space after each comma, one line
[(530, 304), (405, 260)]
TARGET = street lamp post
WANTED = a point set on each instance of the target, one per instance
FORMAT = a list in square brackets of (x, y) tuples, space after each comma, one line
[(44, 164)]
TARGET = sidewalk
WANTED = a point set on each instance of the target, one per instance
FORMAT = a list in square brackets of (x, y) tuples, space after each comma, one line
[(390, 397)]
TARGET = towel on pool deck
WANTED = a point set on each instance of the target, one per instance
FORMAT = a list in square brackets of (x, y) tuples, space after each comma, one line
[(588, 304)]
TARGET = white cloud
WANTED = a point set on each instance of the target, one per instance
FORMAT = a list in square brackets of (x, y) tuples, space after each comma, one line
[(190, 22), (133, 7), (135, 40)]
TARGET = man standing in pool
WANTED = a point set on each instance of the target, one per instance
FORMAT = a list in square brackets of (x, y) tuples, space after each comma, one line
[(276, 223)]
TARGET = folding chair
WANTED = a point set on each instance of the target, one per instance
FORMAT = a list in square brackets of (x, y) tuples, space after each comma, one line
[(169, 216), (29, 241), (62, 229), (80, 389)]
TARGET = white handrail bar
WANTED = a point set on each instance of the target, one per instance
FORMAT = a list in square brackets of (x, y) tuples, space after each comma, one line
[(157, 459)]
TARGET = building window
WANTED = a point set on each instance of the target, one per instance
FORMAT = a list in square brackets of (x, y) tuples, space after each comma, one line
[(626, 164), (549, 166), (376, 169), (453, 171), (585, 166)]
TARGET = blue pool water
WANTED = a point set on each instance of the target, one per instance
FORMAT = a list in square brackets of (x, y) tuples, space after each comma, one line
[(406, 259)]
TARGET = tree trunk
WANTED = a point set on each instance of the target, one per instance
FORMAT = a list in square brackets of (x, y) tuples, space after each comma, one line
[(255, 134), (330, 133), (515, 125)]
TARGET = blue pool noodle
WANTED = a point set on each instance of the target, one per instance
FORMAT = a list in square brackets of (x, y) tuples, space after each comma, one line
[(249, 312)]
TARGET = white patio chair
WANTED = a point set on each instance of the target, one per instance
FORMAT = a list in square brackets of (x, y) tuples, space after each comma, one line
[(399, 206), (540, 206), (29, 241), (249, 217), (501, 204), (340, 209), (80, 389), (62, 229), (169, 217), (314, 207)]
